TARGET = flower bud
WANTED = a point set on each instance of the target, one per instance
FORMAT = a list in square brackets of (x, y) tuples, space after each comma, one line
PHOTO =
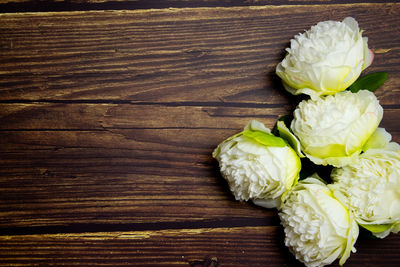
[(258, 165)]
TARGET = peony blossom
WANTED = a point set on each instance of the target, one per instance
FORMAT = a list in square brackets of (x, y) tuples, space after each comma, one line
[(333, 129), (318, 228), (370, 188), (326, 59), (258, 165)]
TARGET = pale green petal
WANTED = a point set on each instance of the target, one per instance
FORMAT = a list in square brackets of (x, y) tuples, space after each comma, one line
[(396, 228), (266, 139), (286, 134), (314, 94), (329, 150), (267, 203), (352, 236), (393, 146), (379, 139), (332, 79), (382, 234), (255, 125), (377, 228), (293, 169)]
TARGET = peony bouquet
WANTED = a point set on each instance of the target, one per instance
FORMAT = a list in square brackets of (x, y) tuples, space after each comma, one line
[(335, 130)]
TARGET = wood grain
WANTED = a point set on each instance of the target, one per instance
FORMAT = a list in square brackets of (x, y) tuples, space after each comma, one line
[(173, 55), (236, 246), (85, 5), (244, 246), (119, 164), (108, 120), (225, 118), (136, 116), (123, 164)]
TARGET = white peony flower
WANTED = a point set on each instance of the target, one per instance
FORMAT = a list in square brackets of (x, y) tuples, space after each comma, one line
[(333, 129), (326, 59), (318, 228), (258, 165), (370, 188)]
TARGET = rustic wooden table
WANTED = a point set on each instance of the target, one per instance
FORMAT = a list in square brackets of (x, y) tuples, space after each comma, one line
[(109, 112)]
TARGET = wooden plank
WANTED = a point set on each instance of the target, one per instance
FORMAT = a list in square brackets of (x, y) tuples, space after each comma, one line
[(80, 160), (76, 116), (84, 5), (199, 54), (247, 246), (125, 176), (237, 246), (106, 135), (151, 116), (118, 174)]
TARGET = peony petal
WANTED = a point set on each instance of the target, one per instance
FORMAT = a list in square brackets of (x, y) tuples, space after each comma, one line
[(352, 23), (286, 134), (267, 203), (255, 125), (368, 54), (379, 139)]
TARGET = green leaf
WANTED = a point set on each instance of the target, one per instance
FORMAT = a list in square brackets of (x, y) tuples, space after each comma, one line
[(369, 82), (265, 138)]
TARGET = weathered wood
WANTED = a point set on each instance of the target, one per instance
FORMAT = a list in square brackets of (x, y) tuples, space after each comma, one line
[(118, 170), (136, 116), (197, 117), (106, 157), (201, 55), (244, 246), (237, 246), (134, 184), (84, 5), (108, 120)]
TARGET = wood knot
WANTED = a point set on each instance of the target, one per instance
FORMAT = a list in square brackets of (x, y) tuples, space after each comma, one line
[(197, 53)]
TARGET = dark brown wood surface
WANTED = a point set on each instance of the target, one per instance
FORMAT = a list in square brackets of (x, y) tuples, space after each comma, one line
[(108, 120), (83, 5)]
